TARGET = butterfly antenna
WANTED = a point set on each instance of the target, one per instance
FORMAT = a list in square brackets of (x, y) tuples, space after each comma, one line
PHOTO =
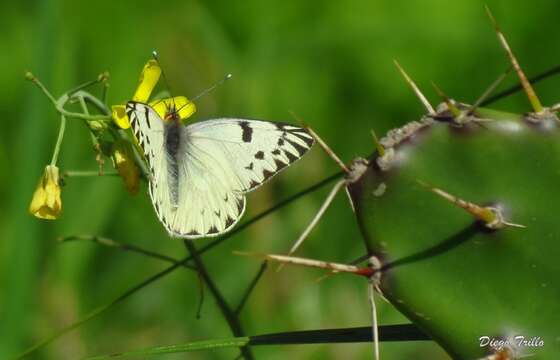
[(206, 91), (156, 58)]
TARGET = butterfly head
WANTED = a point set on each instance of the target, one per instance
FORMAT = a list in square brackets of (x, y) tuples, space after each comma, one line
[(171, 113)]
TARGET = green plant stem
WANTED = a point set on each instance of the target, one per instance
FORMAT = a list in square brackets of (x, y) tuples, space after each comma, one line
[(126, 247), (85, 85), (100, 105), (227, 312), (171, 268), (87, 173), (397, 332), (99, 310), (251, 287), (512, 90), (59, 104), (61, 131)]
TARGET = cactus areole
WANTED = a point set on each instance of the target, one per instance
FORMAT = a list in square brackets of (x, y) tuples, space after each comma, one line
[(461, 280)]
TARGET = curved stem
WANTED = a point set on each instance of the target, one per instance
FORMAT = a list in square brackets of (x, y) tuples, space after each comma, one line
[(61, 130)]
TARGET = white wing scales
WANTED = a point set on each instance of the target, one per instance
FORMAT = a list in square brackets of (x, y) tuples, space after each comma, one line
[(218, 161)]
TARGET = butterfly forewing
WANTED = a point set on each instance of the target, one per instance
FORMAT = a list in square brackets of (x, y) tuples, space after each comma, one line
[(198, 187)]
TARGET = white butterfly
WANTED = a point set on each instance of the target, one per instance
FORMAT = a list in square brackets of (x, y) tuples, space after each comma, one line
[(200, 173)]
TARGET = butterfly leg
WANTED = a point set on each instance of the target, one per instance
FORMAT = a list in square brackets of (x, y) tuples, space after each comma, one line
[(317, 217)]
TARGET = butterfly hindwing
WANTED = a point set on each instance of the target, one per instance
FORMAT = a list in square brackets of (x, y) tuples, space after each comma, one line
[(198, 186)]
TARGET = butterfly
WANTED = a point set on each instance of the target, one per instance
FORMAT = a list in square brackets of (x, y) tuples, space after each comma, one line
[(199, 173)]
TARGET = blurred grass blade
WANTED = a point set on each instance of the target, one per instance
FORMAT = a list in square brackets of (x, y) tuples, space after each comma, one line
[(398, 332), (188, 347)]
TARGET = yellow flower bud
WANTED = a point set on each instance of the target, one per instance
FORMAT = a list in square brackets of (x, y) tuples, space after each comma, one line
[(46, 203), (148, 80), (123, 161), (119, 116)]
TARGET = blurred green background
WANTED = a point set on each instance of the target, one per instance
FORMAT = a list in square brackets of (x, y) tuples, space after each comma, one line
[(329, 62)]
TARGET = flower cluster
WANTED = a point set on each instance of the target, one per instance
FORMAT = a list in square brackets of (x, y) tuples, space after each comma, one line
[(46, 201)]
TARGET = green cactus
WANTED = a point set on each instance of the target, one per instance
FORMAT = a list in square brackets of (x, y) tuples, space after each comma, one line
[(459, 207)]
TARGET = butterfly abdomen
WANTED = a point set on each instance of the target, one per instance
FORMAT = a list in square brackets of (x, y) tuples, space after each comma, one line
[(172, 137)]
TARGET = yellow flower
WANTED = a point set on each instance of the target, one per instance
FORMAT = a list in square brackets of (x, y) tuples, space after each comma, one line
[(148, 80), (123, 161), (46, 203)]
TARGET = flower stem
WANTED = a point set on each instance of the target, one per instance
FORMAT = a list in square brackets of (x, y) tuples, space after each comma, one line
[(86, 173), (61, 130)]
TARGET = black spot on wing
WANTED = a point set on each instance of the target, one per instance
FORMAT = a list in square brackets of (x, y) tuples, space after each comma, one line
[(212, 230), (300, 149), (218, 213), (291, 157), (276, 152), (303, 135), (229, 222), (280, 142), (193, 233), (280, 126), (147, 114), (253, 184), (267, 174), (279, 164), (259, 155), (250, 167), (247, 131)]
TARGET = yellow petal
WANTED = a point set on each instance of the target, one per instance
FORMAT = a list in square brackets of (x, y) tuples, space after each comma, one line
[(186, 108), (46, 202), (119, 116), (123, 161), (148, 80)]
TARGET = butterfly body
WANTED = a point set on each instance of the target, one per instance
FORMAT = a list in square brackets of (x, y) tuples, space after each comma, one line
[(172, 141), (200, 173)]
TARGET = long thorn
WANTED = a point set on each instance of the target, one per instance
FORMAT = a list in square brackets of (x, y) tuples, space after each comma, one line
[(332, 266), (375, 334), (323, 145), (512, 90), (416, 90), (336, 188), (378, 146), (531, 95), (488, 91), (450, 105), (479, 212), (490, 216)]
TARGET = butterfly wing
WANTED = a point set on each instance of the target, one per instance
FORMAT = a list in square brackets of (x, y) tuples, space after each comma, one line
[(198, 186), (149, 130)]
